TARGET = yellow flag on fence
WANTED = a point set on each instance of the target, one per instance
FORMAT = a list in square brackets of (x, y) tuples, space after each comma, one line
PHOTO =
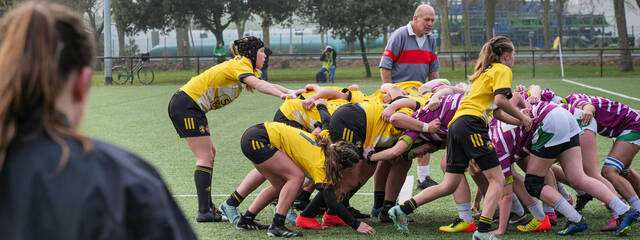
[(556, 43)]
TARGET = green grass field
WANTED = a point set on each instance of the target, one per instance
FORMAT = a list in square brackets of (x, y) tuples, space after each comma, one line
[(135, 117)]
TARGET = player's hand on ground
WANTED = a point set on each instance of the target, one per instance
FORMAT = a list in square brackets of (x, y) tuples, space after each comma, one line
[(364, 228)]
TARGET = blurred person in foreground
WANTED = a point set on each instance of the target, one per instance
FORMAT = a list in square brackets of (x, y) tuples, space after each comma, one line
[(56, 183)]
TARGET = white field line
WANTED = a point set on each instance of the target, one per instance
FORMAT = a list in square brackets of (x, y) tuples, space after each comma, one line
[(602, 90)]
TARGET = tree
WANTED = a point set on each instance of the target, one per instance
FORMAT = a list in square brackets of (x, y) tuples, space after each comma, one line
[(397, 15), (626, 62), (559, 9), (445, 44), (272, 12), (356, 20), (92, 9), (490, 18), (210, 15), (545, 22), (123, 17), (467, 23), (237, 12)]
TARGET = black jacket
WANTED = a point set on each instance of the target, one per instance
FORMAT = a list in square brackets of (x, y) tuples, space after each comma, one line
[(108, 193)]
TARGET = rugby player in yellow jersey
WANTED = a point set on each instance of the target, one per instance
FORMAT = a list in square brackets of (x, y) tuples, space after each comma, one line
[(468, 135), (284, 155), (213, 89)]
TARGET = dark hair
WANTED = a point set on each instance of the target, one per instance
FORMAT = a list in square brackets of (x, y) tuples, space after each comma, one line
[(247, 47), (338, 157), (491, 52), (45, 45)]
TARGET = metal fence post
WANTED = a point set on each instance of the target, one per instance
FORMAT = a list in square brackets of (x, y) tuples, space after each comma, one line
[(453, 66), (533, 62), (601, 63), (198, 65), (465, 64)]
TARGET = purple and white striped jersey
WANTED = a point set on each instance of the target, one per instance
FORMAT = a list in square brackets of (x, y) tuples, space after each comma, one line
[(612, 117), (513, 142), (448, 108), (509, 142), (539, 111)]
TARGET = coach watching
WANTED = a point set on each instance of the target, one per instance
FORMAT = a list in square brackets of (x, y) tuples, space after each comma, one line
[(410, 54)]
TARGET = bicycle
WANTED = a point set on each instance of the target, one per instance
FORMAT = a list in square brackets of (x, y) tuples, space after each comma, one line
[(121, 74)]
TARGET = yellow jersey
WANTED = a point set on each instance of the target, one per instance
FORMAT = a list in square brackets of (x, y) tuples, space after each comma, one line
[(301, 147), (220, 84), (293, 110), (356, 96), (411, 87), (380, 133), (479, 98)]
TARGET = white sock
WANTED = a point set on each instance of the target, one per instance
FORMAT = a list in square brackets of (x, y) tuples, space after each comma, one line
[(548, 208), (567, 210), (618, 206), (565, 194), (464, 212), (516, 206), (536, 210), (634, 202), (423, 172)]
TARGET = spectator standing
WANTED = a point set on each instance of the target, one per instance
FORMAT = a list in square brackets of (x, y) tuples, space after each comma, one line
[(220, 52)]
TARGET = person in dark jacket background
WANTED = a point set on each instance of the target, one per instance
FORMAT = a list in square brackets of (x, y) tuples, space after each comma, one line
[(54, 182)]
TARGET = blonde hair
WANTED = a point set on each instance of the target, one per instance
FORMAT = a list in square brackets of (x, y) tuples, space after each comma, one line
[(41, 46), (491, 52)]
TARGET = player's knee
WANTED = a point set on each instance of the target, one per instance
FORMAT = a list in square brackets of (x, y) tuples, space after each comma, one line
[(534, 185), (612, 166)]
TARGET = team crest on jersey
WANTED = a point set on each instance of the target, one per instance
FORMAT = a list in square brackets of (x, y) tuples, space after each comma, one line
[(490, 146), (202, 129)]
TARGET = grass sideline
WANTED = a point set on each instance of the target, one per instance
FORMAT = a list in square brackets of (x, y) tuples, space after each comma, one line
[(135, 117), (358, 73)]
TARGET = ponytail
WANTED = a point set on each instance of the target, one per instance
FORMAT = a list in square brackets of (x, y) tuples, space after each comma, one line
[(338, 157), (43, 44), (491, 52)]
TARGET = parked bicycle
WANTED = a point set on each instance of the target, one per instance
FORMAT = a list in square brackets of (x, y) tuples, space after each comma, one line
[(121, 74)]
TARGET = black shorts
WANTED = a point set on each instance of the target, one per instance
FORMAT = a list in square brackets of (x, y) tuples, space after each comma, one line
[(554, 151), (280, 117), (187, 117), (349, 123), (468, 139), (255, 144)]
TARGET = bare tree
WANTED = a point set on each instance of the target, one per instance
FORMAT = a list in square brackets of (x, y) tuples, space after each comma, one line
[(467, 23), (559, 9), (626, 62), (490, 18), (545, 22), (445, 36)]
